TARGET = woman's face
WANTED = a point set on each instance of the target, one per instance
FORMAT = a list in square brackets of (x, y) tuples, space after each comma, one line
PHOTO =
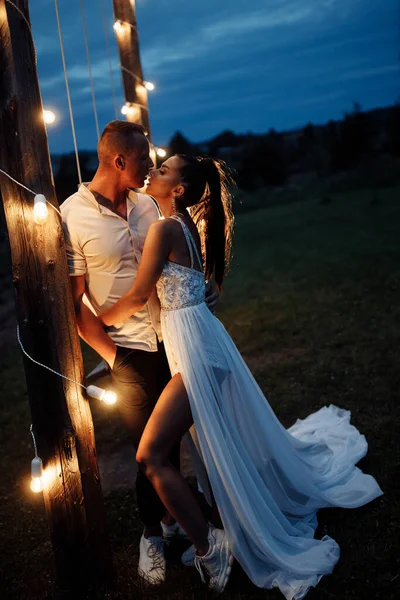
[(163, 181)]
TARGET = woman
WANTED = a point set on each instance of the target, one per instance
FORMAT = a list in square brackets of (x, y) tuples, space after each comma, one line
[(268, 483)]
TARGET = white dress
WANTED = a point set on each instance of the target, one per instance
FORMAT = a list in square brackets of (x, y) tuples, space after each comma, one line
[(268, 482)]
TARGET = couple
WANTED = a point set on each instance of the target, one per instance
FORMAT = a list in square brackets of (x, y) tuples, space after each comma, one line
[(267, 483)]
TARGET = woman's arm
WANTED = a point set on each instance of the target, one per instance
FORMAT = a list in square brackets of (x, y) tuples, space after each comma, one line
[(156, 250)]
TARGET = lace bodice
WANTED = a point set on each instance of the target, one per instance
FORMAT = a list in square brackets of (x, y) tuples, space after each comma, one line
[(180, 286)]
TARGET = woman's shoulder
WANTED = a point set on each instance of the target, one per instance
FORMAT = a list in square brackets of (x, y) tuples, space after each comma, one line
[(164, 226)]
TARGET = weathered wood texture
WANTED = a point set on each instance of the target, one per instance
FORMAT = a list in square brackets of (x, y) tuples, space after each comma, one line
[(60, 411), (132, 77)]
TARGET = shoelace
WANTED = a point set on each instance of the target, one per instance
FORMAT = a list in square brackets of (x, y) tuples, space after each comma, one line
[(156, 554), (200, 567)]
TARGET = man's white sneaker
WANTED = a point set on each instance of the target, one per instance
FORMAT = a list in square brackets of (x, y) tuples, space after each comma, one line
[(187, 557), (173, 531), (152, 559), (215, 566)]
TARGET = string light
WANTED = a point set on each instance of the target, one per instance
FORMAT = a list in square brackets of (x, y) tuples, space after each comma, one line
[(49, 117), (132, 109), (107, 396), (39, 199), (149, 85), (37, 475), (40, 210), (161, 152), (36, 469), (118, 26)]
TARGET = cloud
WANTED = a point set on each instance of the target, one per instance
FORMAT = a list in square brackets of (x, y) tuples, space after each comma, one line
[(233, 65), (367, 73)]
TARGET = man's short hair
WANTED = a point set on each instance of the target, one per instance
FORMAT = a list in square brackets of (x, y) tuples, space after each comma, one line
[(118, 138)]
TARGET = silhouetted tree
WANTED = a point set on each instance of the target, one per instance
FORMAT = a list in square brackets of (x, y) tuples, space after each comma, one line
[(264, 162), (66, 180), (180, 145), (393, 130), (354, 140)]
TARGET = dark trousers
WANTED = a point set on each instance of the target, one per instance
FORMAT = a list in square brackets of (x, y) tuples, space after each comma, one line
[(139, 377)]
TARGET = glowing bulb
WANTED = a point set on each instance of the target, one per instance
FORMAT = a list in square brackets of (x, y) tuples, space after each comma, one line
[(161, 152), (96, 392), (49, 117), (149, 86), (118, 26), (110, 397), (125, 109), (40, 210), (37, 475)]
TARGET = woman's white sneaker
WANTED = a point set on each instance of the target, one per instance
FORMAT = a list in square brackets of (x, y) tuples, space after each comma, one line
[(215, 566), (152, 559)]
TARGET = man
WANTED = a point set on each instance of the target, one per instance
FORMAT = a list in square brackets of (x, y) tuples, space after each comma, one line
[(105, 226)]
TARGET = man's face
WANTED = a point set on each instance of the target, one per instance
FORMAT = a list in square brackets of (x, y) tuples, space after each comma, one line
[(137, 162)]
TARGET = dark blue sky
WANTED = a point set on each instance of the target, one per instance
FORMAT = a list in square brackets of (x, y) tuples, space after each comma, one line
[(225, 64)]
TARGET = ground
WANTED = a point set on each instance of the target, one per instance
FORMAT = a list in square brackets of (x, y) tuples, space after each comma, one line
[(312, 302)]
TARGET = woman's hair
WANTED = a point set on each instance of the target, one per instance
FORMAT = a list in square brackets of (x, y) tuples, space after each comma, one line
[(208, 187)]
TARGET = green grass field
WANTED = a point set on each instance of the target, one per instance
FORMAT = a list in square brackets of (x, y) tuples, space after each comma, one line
[(312, 301)]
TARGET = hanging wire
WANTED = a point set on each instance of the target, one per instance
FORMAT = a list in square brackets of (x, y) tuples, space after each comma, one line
[(90, 69), (34, 440), (45, 366), (29, 190), (103, 15), (71, 115), (132, 74)]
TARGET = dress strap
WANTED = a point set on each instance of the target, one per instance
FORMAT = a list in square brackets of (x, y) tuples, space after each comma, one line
[(190, 242)]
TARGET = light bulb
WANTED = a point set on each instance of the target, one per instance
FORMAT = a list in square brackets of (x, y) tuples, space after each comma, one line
[(118, 26), (37, 475), (161, 152), (149, 86), (49, 117), (110, 397), (125, 109), (40, 210), (96, 392)]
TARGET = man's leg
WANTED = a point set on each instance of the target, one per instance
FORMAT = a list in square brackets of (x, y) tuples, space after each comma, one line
[(139, 378)]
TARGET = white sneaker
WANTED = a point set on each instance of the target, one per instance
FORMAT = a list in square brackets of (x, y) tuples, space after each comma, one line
[(215, 566), (187, 557), (173, 531), (152, 559)]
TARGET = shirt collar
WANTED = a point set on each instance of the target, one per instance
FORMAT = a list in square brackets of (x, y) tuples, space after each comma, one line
[(83, 189)]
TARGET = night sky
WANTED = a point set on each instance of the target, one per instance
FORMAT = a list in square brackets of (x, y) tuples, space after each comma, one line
[(243, 65)]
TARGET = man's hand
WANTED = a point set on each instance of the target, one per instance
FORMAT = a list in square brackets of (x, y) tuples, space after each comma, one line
[(90, 328), (212, 297)]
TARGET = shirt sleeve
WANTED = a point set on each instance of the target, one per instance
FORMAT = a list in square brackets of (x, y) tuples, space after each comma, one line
[(75, 256)]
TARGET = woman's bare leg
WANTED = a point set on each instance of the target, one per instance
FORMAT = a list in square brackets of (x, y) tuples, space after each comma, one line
[(170, 419)]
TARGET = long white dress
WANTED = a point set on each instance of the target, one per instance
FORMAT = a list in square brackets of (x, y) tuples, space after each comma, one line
[(268, 482)]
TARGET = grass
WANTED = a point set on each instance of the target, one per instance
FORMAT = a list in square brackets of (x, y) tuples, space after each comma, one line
[(312, 302)]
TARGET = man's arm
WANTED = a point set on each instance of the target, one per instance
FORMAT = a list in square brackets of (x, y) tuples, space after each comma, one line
[(90, 328)]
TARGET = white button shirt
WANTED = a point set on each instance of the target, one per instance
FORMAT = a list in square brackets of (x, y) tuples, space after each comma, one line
[(107, 249)]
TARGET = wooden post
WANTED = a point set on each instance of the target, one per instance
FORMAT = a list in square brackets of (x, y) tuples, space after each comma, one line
[(127, 34), (61, 414)]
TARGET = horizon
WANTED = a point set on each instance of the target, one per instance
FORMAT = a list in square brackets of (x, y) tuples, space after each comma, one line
[(242, 133)]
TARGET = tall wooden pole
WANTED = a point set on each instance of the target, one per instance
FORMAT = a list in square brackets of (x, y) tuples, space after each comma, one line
[(61, 414), (127, 34)]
